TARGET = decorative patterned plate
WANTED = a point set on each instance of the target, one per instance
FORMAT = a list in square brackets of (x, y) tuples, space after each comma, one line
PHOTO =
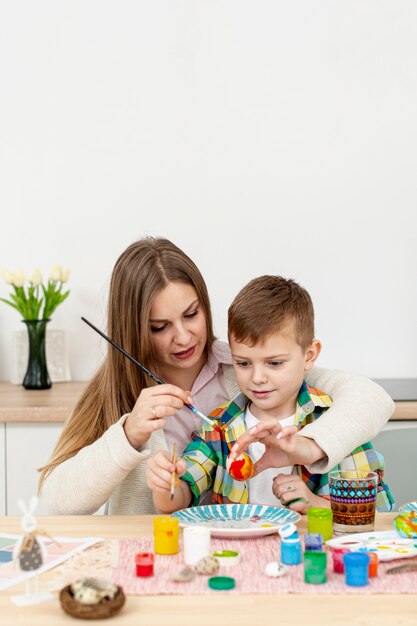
[(386, 543), (410, 506), (237, 520)]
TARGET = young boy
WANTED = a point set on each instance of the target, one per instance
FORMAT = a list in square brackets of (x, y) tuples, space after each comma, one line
[(271, 335)]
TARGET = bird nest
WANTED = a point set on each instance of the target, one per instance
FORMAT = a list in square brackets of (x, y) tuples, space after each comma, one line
[(105, 608)]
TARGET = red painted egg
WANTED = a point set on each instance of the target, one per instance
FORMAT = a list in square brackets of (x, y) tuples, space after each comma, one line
[(241, 468)]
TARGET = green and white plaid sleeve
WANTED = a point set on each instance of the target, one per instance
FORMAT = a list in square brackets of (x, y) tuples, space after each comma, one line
[(365, 458), (202, 462)]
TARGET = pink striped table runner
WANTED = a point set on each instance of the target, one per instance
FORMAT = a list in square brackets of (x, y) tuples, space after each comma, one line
[(249, 574)]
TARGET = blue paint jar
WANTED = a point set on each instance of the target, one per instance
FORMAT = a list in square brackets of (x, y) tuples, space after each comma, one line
[(291, 551), (356, 568), (313, 541)]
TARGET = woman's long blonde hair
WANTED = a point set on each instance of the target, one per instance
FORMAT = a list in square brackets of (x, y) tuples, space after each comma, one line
[(143, 269)]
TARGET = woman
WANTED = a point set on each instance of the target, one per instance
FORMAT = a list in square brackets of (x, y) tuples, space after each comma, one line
[(159, 311)]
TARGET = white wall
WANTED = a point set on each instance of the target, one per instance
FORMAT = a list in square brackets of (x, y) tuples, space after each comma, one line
[(262, 137)]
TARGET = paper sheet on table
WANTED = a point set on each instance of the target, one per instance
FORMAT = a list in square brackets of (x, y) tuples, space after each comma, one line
[(59, 550)]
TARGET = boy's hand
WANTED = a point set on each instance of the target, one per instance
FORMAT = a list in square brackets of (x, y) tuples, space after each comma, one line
[(159, 472), (289, 487), (283, 446)]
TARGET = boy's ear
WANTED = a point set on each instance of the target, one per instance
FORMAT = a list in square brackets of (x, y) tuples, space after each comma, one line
[(311, 354)]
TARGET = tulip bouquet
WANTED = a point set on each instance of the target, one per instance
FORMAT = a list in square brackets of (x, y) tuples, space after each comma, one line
[(36, 301)]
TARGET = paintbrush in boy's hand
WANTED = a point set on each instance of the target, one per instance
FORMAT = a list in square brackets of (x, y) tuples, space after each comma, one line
[(173, 475)]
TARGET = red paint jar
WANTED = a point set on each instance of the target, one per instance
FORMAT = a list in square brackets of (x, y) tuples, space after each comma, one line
[(144, 564), (338, 565)]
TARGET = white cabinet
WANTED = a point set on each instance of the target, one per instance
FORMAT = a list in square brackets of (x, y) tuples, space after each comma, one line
[(30, 425), (2, 469), (398, 444), (28, 447)]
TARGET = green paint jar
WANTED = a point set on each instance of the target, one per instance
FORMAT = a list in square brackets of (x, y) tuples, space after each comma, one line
[(315, 567)]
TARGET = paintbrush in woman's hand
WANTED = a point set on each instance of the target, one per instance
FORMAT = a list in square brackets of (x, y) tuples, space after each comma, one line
[(150, 374)]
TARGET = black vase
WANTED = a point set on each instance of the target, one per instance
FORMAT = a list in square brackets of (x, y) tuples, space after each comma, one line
[(36, 376)]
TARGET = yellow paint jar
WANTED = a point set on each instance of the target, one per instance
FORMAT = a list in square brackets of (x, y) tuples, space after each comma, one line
[(320, 521), (165, 533)]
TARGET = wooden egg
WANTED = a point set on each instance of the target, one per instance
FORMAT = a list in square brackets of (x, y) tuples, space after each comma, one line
[(241, 468)]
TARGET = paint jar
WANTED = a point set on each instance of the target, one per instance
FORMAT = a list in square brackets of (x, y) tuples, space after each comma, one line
[(165, 532), (227, 558), (291, 551), (287, 530), (356, 568), (320, 520), (338, 565), (373, 564), (315, 567), (313, 541), (196, 543), (144, 564)]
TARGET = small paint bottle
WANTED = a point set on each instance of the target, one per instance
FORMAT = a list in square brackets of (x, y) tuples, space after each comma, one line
[(165, 530), (315, 567), (373, 564), (320, 520), (338, 565), (356, 568), (291, 551), (196, 543), (313, 541), (144, 564), (287, 530)]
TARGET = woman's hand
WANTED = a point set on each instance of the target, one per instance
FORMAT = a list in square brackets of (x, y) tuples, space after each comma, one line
[(152, 407), (159, 472), (289, 487)]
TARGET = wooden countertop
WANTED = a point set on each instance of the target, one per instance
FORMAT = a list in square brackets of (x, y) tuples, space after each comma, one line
[(350, 609), (54, 405), (18, 404), (405, 411)]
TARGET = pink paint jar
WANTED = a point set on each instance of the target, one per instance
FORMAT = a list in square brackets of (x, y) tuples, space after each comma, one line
[(338, 565), (144, 564)]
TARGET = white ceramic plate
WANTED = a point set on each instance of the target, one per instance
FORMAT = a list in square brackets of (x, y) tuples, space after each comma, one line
[(410, 506), (387, 543), (237, 520)]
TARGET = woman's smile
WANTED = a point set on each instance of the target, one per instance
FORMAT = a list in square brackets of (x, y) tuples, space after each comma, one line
[(184, 354)]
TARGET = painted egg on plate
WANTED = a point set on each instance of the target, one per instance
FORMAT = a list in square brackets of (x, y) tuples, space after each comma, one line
[(240, 468), (406, 524)]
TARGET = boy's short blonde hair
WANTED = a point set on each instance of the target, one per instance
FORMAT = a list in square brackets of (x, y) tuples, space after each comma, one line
[(268, 304)]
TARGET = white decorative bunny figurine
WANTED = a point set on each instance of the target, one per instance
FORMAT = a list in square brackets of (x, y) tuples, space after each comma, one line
[(30, 551)]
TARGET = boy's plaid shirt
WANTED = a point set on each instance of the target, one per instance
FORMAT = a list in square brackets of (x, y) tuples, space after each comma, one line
[(206, 454)]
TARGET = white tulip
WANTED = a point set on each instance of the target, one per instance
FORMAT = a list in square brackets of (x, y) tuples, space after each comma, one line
[(56, 272), (65, 273), (36, 277), (18, 278), (7, 276)]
